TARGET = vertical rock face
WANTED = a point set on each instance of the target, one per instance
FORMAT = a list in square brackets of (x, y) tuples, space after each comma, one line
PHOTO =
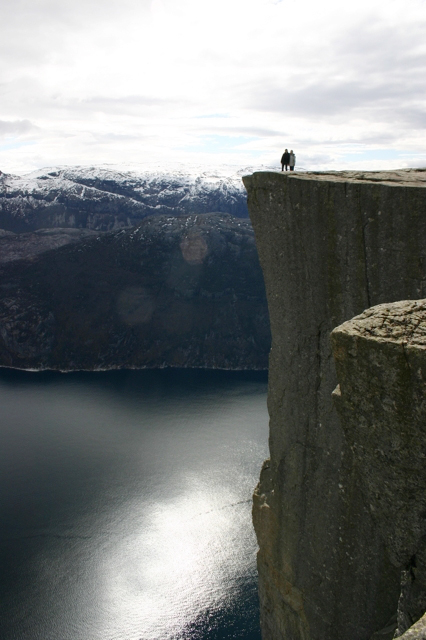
[(330, 246), (381, 399)]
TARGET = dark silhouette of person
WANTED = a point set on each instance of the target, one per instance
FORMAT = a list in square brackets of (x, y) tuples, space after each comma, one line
[(285, 160), (292, 160)]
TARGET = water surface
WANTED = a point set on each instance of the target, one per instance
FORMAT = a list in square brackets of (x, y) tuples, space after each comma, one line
[(125, 502)]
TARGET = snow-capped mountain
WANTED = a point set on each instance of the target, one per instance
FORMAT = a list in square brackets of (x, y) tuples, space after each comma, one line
[(111, 197)]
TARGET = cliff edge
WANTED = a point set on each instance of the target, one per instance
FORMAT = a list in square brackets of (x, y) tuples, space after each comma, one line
[(330, 246)]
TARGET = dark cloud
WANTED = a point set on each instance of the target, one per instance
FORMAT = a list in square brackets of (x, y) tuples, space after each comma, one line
[(124, 104), (375, 47), (382, 139), (37, 13), (322, 98), (29, 98), (131, 100), (372, 70), (414, 116), (339, 99), (16, 127), (260, 132)]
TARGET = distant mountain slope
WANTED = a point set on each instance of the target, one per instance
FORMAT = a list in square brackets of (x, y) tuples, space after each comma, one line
[(175, 291), (105, 198)]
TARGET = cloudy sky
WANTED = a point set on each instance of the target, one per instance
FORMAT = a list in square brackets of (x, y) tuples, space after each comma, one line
[(212, 82)]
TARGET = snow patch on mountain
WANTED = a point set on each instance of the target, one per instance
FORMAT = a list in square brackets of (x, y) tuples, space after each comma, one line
[(108, 197)]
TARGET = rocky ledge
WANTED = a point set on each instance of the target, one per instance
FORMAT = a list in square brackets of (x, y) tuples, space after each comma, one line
[(181, 292)]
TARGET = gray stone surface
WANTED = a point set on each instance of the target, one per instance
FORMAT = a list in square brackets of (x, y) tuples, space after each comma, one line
[(380, 360), (330, 246)]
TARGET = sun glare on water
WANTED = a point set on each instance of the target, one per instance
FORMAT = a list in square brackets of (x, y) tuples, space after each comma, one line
[(189, 557)]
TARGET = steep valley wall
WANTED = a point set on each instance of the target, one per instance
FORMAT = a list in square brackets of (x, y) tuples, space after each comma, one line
[(330, 246), (181, 291)]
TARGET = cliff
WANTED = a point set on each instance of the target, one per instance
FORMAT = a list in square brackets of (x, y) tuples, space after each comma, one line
[(330, 245), (380, 360), (175, 291)]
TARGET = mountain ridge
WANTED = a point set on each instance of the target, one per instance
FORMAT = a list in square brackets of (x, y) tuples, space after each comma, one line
[(105, 198)]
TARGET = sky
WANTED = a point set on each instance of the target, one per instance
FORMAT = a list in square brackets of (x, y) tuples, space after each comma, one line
[(231, 82)]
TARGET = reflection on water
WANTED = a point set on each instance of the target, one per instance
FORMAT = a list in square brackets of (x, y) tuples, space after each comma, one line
[(125, 499)]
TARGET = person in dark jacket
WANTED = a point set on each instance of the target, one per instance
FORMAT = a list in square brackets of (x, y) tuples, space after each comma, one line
[(285, 160)]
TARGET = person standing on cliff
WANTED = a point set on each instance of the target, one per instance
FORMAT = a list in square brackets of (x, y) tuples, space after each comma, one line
[(292, 160), (285, 160)]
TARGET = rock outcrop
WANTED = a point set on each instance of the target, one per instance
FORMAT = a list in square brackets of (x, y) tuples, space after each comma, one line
[(175, 291), (103, 198), (330, 245), (380, 360)]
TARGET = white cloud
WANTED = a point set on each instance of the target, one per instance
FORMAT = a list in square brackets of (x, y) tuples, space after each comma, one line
[(233, 81)]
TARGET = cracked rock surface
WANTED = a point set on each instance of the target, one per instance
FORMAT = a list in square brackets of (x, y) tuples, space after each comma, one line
[(400, 323), (330, 245)]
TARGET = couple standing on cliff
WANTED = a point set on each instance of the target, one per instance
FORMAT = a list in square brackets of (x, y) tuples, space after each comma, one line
[(288, 159)]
